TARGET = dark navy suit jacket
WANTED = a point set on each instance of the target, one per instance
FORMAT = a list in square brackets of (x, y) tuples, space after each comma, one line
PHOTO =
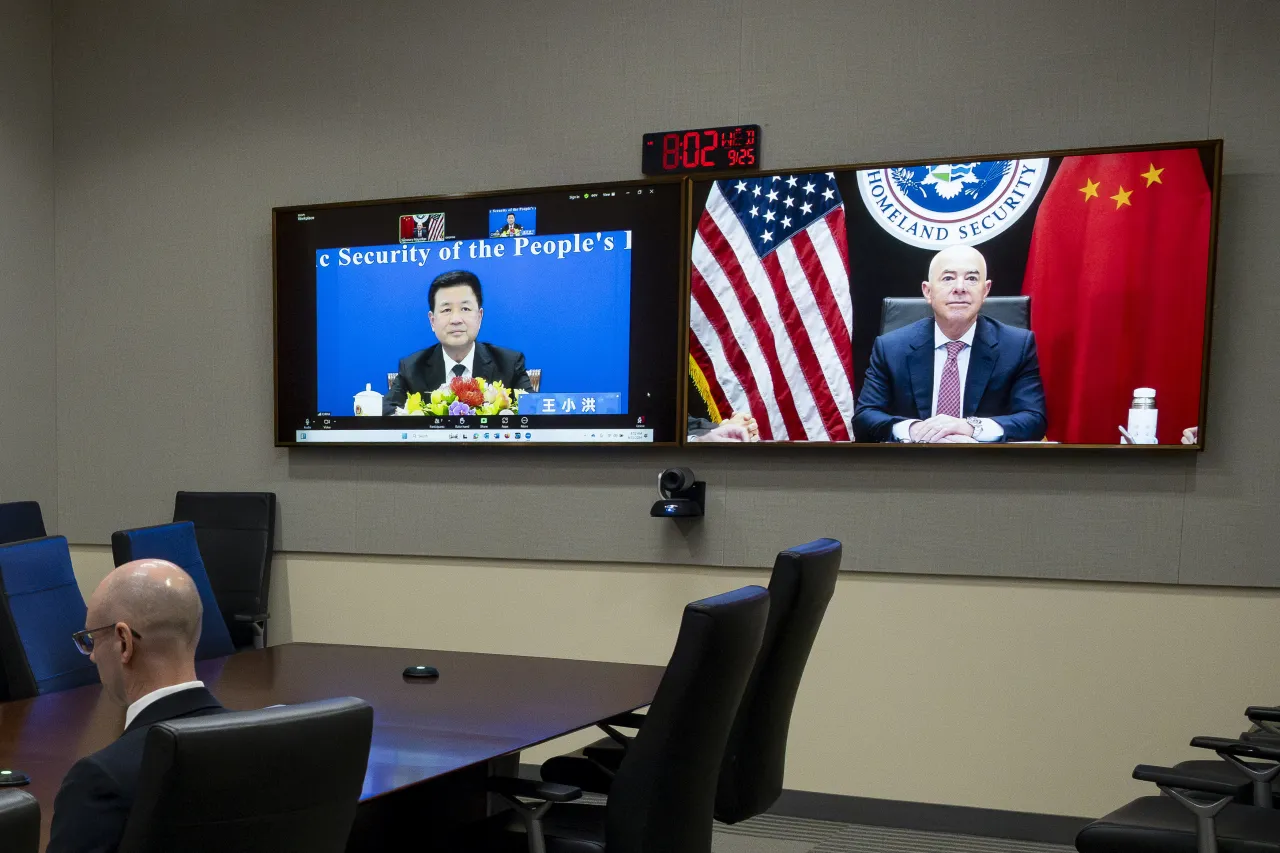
[(1003, 381), (93, 803), (423, 372)]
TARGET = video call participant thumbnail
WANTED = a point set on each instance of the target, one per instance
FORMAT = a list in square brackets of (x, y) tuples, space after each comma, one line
[(955, 377), (510, 229), (456, 310)]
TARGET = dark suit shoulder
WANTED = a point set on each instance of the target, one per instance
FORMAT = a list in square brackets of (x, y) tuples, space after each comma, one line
[(90, 810), (118, 757), (421, 356), (1004, 329), (93, 803), (908, 334), (498, 353)]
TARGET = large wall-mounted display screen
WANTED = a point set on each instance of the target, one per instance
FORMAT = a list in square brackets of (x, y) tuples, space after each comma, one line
[(536, 316), (1055, 299)]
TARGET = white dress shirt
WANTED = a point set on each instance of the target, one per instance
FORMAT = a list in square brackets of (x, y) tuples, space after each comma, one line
[(137, 707), (467, 361), (991, 431)]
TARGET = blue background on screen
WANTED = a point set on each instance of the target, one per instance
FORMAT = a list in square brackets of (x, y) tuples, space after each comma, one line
[(571, 317)]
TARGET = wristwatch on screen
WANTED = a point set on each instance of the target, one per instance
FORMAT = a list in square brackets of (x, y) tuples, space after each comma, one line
[(976, 423)]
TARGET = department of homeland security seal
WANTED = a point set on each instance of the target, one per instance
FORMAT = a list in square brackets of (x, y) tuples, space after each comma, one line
[(945, 204)]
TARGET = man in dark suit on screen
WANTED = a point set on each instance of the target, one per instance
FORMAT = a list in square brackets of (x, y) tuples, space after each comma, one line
[(457, 307), (957, 376), (141, 631)]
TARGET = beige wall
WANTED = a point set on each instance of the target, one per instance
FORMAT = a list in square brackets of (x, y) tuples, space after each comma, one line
[(1032, 696), (28, 430)]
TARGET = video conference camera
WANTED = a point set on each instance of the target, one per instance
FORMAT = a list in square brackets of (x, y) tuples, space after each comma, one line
[(683, 496)]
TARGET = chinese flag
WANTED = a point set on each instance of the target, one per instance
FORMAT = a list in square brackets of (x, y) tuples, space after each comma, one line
[(1118, 273)]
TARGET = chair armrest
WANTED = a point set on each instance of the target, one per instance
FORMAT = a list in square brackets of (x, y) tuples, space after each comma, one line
[(629, 720), (1265, 738), (1188, 790), (1253, 748), (1167, 777), (1260, 713), (534, 789), (251, 617)]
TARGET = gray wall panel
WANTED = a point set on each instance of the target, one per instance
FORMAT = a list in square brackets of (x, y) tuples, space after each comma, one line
[(1235, 490), (190, 127), (1228, 537), (1244, 107), (1086, 518), (840, 82), (540, 504), (28, 403)]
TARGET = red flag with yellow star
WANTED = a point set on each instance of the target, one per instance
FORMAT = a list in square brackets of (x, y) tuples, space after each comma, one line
[(1117, 277)]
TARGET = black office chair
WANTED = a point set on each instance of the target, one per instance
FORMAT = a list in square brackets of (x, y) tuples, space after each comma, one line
[(236, 534), (663, 796), (1264, 779), (279, 780), (802, 583), (19, 821), (899, 311), (1198, 814), (19, 521)]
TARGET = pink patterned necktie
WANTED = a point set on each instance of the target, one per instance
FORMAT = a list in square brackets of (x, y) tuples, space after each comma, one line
[(949, 386)]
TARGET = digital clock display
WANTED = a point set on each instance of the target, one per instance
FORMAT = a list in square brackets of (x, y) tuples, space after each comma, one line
[(707, 150)]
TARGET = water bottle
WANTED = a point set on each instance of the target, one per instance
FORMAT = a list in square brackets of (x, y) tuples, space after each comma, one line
[(1142, 416)]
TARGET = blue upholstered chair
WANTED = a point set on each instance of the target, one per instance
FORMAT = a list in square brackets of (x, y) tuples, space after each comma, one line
[(177, 543), (40, 608), (20, 520)]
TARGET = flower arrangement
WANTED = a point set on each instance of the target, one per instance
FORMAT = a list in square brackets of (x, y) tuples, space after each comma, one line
[(460, 396)]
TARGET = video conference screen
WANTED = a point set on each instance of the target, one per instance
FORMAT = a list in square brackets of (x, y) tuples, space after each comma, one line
[(1048, 299), (541, 316)]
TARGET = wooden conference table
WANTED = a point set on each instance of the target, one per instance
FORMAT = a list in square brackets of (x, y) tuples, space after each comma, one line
[(434, 742)]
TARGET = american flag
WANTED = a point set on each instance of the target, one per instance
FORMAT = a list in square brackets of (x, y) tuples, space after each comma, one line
[(435, 226), (771, 312)]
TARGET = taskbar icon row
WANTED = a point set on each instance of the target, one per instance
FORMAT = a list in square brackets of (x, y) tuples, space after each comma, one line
[(435, 436)]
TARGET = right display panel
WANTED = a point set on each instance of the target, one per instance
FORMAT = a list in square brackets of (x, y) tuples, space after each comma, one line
[(1049, 299)]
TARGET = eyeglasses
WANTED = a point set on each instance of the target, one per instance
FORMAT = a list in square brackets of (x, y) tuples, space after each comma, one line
[(84, 639)]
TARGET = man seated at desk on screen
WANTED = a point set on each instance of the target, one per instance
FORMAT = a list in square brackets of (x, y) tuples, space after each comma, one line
[(456, 309), (511, 229), (957, 376), (141, 631)]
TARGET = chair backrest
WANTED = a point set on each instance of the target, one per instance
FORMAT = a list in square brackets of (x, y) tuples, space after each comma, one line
[(271, 781), (20, 520), (803, 581), (40, 608), (177, 543), (19, 821), (235, 532), (899, 311), (663, 796)]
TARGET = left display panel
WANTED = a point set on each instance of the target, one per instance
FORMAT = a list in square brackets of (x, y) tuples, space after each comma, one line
[(541, 316)]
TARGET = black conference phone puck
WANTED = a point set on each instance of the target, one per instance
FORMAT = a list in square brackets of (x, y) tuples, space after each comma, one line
[(12, 778), (421, 672)]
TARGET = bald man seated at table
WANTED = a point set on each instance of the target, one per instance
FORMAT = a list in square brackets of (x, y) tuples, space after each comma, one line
[(957, 376), (141, 631)]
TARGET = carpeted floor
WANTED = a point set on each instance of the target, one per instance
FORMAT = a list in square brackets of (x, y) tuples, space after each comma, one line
[(772, 834), (776, 834)]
